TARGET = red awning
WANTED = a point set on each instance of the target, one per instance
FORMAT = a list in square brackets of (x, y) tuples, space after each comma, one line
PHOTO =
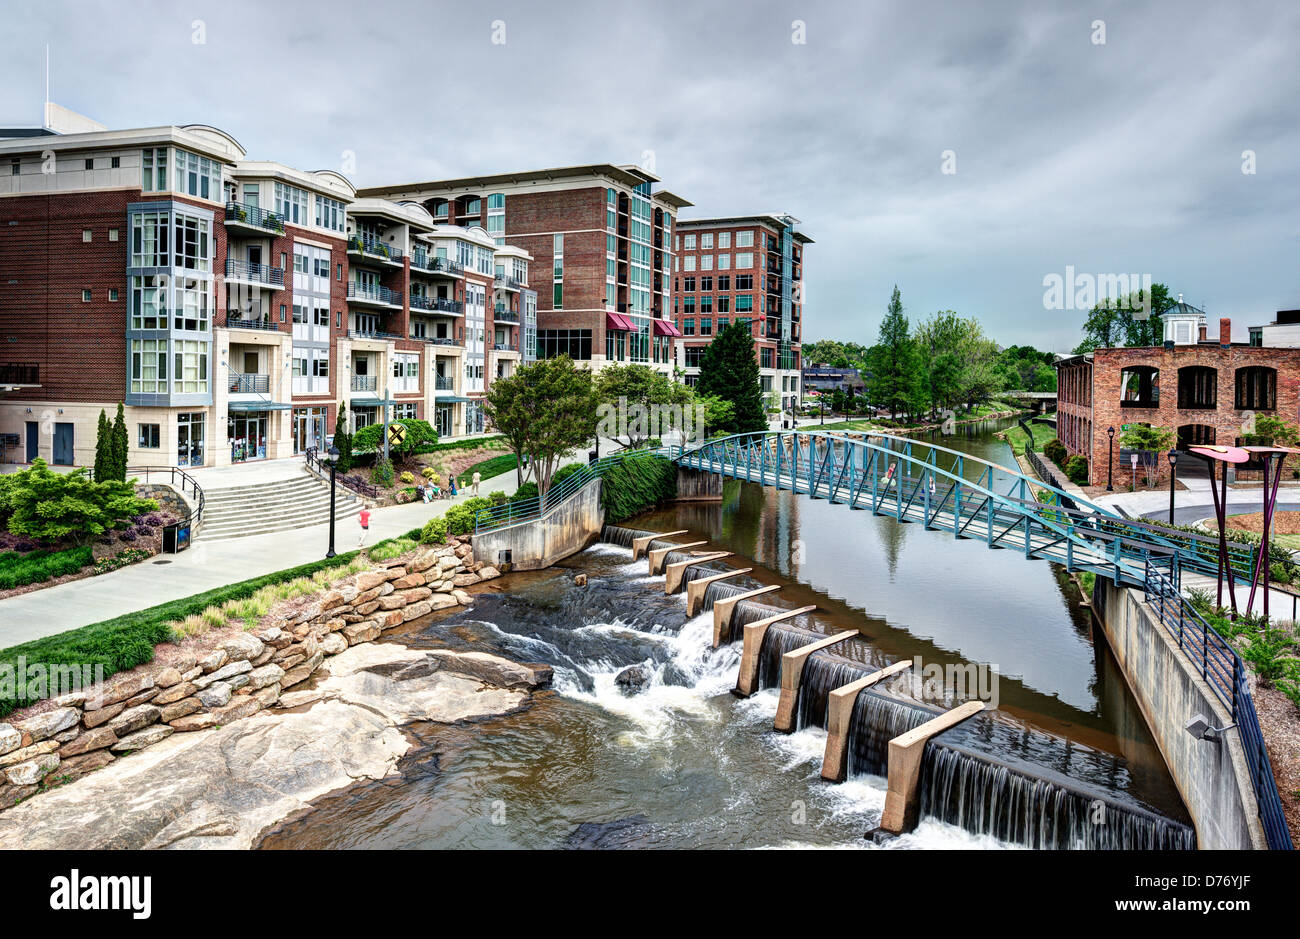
[(666, 328), (618, 321)]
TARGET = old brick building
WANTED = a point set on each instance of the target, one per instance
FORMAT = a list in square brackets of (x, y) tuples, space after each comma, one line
[(1205, 390), (234, 307)]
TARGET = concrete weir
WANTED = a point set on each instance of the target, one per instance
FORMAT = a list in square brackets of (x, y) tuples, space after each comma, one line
[(839, 717), (722, 609), (792, 671), (639, 545), (673, 573), (902, 800), (747, 680), (658, 554), (696, 588)]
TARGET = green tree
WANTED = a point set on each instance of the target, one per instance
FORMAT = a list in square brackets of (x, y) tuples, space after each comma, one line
[(420, 435), (898, 380), (104, 460), (729, 370), (119, 445), (342, 442), (549, 406), (1271, 431), (1110, 324), (719, 413), (630, 395), (49, 506)]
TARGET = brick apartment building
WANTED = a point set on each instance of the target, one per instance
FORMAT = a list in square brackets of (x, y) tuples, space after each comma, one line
[(605, 234), (1203, 389), (743, 269), (233, 306)]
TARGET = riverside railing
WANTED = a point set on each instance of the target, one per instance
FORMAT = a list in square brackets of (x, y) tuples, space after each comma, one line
[(1224, 671)]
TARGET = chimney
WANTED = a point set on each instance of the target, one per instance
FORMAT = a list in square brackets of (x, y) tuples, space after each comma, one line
[(1202, 334), (1225, 331)]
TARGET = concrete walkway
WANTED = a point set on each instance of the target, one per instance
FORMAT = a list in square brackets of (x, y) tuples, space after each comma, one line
[(205, 566)]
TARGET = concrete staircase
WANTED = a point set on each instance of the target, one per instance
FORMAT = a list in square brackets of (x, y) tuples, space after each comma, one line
[(271, 506)]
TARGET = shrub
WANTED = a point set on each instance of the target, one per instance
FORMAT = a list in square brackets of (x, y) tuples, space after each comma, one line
[(153, 521), (1076, 470), (636, 484), (420, 437), (53, 506), (381, 474), (497, 497), (431, 475), (1055, 451), (36, 567), (460, 518), (408, 477), (527, 491), (128, 536), (434, 531)]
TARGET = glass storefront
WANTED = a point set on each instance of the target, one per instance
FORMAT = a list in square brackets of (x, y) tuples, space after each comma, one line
[(189, 439), (309, 429), (248, 436)]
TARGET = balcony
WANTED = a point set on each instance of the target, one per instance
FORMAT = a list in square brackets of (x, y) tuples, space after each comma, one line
[(436, 305), (252, 219), (505, 316), (236, 321), (444, 383), (424, 261), (261, 275), (365, 382), (373, 295), (365, 332), (505, 347), (371, 248), (248, 383), (507, 283)]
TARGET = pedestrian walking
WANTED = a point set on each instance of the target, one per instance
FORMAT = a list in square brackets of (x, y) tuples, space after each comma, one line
[(364, 518), (477, 478)]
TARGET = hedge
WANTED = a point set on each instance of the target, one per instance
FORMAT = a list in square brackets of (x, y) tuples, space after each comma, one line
[(127, 641), (636, 484), (35, 567)]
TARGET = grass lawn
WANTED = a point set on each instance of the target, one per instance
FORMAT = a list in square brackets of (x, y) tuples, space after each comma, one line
[(492, 466), (1016, 437)]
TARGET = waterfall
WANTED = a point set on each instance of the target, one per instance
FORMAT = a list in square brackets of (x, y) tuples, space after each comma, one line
[(823, 672), (780, 639), (622, 536), (986, 797), (878, 719), (721, 589), (705, 569), (751, 611)]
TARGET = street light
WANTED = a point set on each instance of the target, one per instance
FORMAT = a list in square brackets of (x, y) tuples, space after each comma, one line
[(1173, 476), (1110, 457), (332, 458), (1133, 461)]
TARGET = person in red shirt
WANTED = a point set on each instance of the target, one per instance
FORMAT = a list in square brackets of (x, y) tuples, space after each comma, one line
[(364, 518)]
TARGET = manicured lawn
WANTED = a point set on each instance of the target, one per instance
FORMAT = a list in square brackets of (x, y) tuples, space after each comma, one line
[(34, 567), (1016, 437), (492, 466)]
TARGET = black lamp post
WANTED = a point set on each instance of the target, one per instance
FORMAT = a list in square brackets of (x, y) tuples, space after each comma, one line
[(1173, 477), (332, 458), (1110, 457)]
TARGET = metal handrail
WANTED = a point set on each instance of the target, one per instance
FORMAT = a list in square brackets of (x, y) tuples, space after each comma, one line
[(252, 215), (261, 273), (195, 516), (359, 291), (1225, 672), (318, 466), (235, 321), (250, 383), (375, 248)]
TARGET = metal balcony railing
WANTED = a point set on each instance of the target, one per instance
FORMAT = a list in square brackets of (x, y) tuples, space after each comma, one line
[(428, 262), (252, 215), (250, 321), (374, 248), (258, 273), (249, 383), (435, 304), (443, 383), (365, 382), (365, 332), (373, 293), (505, 316), (506, 346), (507, 283)]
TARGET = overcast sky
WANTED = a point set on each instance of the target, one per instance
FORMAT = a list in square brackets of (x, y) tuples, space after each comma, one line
[(1115, 157)]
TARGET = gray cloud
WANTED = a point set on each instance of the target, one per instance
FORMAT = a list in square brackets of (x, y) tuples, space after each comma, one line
[(1117, 158)]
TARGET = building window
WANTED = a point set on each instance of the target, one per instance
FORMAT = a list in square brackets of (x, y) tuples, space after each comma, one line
[(112, 294), (557, 301), (1198, 387), (706, 284), (85, 295), (688, 284), (330, 214), (154, 169), (690, 243), (706, 325), (744, 239), (197, 176), (724, 239), (90, 163), (744, 281), (1256, 388), (149, 366), (87, 235), (149, 436), (1139, 387), (291, 204), (112, 234), (745, 304), (688, 327), (15, 167), (688, 262), (1195, 435), (575, 343), (115, 162), (191, 368), (744, 260), (706, 241)]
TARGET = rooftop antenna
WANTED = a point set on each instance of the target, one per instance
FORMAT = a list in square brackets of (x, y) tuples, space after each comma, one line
[(45, 112)]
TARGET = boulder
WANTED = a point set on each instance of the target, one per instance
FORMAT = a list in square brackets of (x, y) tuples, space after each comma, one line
[(125, 688), (243, 706), (95, 739), (361, 632), (488, 573), (466, 579), (260, 678), (237, 681), (267, 696), (421, 562), (300, 673), (33, 771), (416, 610), (387, 619), (168, 677), (175, 693), (77, 766), (441, 601), (47, 724), (395, 602), (447, 563), (224, 673), (133, 719), (493, 669), (215, 695), (102, 715), (333, 644), (368, 580), (242, 648), (461, 597), (262, 659), (30, 752), (296, 699), (365, 609), (331, 599), (298, 657), (10, 738), (201, 721), (143, 738), (580, 580), (633, 679), (147, 695), (409, 581), (214, 661), (417, 593), (182, 707)]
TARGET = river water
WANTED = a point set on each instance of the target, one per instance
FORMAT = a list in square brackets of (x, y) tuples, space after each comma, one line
[(684, 763)]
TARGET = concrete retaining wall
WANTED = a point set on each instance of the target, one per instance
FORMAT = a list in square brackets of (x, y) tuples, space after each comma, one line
[(539, 543), (695, 486), (1211, 775)]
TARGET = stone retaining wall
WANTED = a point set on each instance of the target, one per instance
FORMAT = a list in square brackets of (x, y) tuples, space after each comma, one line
[(89, 729)]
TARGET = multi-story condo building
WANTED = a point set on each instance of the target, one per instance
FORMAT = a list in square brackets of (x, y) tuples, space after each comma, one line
[(233, 306), (605, 234), (743, 269)]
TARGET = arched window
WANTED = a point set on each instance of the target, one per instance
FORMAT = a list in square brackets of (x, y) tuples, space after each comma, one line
[(1198, 387), (1195, 435), (1256, 388), (1139, 387)]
